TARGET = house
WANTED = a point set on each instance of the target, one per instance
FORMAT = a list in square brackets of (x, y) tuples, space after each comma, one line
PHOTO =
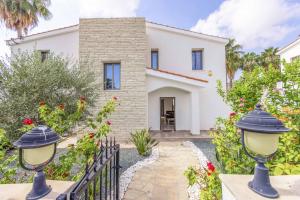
[(165, 77), (291, 51)]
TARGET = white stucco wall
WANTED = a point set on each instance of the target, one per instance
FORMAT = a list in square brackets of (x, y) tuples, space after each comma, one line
[(64, 44), (175, 55), (182, 108), (291, 51)]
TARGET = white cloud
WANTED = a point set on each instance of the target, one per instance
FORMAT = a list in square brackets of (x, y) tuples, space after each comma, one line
[(253, 23), (108, 8)]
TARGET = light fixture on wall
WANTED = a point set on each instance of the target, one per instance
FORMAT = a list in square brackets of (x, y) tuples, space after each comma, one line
[(36, 149), (260, 134)]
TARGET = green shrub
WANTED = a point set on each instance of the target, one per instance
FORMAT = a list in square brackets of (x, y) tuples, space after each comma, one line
[(229, 151), (284, 104), (25, 81), (4, 141), (143, 141)]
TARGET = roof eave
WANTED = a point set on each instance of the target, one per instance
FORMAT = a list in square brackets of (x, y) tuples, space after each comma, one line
[(187, 32), (284, 49), (50, 33)]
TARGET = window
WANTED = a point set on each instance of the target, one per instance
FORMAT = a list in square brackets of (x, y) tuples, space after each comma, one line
[(197, 59), (112, 76), (44, 54), (154, 59)]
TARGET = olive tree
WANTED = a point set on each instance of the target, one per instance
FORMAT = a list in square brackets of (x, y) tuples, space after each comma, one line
[(26, 80)]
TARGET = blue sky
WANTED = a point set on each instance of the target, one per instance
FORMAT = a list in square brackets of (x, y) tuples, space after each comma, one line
[(256, 24)]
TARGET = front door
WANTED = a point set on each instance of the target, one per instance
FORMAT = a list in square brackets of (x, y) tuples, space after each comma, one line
[(167, 114)]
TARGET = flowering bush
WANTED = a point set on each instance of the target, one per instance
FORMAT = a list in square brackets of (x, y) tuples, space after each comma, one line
[(284, 104), (85, 148), (56, 118), (26, 80), (208, 180)]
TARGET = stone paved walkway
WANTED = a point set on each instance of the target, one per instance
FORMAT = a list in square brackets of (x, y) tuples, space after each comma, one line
[(164, 179)]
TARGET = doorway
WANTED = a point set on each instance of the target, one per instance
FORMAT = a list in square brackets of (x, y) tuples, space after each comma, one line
[(167, 114)]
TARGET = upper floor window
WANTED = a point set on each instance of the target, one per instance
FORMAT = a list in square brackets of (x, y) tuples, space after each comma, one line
[(112, 79), (44, 54), (154, 59), (197, 59)]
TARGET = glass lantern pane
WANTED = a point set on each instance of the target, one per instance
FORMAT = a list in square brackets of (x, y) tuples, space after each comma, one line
[(38, 156), (261, 143)]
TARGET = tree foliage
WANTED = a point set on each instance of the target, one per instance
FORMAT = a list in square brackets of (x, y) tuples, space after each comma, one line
[(21, 15), (233, 59), (27, 81)]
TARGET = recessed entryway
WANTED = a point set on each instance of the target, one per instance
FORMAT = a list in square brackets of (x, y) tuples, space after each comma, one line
[(167, 114)]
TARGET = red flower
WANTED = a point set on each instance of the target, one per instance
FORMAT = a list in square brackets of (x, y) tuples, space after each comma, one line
[(115, 98), (232, 114), (42, 103), (208, 174), (61, 106), (91, 135), (27, 121), (210, 167), (108, 122)]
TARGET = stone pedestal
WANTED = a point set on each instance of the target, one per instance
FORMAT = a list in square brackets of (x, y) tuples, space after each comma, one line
[(235, 187), (19, 191)]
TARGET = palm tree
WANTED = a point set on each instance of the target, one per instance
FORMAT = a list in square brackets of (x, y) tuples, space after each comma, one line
[(250, 60), (233, 59), (270, 57), (19, 15)]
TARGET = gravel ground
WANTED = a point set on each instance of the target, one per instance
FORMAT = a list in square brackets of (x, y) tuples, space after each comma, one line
[(128, 157), (208, 149)]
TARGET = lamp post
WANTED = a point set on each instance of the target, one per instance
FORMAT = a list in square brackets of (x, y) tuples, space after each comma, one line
[(36, 149), (260, 134)]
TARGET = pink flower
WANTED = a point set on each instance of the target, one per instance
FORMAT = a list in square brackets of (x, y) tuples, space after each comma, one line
[(210, 167), (242, 99), (241, 105), (27, 121), (108, 122)]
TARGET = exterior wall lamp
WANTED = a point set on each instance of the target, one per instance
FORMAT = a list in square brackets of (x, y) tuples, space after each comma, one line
[(37, 148), (260, 135)]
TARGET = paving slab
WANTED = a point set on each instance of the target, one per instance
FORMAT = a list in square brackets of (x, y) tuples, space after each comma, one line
[(163, 179)]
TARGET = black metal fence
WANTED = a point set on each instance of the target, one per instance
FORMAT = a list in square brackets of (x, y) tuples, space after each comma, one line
[(101, 179)]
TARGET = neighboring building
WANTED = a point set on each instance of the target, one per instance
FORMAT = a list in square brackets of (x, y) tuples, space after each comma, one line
[(165, 77), (291, 51)]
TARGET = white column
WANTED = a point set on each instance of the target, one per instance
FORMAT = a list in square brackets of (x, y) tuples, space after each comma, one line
[(195, 113)]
